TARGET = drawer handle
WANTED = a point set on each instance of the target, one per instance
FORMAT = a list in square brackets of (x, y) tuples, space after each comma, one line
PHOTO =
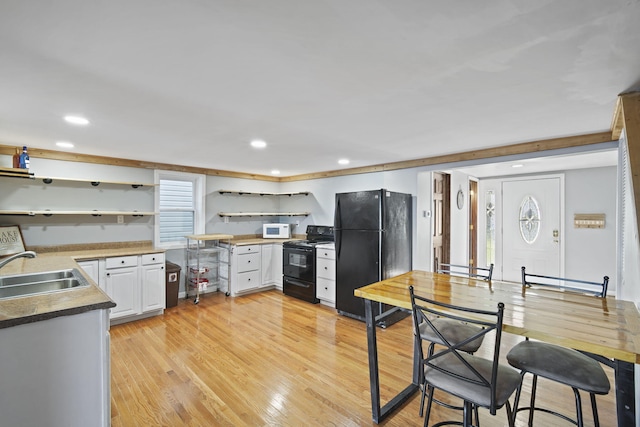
[(122, 262), (326, 268)]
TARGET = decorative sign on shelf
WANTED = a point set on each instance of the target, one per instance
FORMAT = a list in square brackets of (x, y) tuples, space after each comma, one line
[(10, 240), (588, 220)]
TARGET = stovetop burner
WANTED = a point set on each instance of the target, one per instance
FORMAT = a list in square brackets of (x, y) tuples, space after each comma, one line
[(316, 235)]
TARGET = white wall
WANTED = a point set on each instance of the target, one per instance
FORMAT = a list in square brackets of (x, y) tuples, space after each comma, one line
[(590, 253)]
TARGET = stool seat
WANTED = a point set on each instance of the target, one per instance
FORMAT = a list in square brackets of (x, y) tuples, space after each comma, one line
[(453, 331), (564, 365)]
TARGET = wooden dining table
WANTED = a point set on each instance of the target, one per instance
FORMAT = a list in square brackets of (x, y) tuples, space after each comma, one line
[(605, 328)]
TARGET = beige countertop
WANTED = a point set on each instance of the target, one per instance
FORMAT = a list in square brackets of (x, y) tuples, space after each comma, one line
[(34, 308)]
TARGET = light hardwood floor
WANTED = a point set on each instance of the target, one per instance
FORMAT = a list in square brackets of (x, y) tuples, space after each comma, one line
[(271, 360)]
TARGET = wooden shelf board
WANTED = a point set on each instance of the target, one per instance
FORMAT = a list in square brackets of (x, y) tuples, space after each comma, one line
[(53, 178), (264, 193), (240, 214), (55, 212)]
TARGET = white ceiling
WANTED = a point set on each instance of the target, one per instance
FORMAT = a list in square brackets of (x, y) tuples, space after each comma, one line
[(191, 82)]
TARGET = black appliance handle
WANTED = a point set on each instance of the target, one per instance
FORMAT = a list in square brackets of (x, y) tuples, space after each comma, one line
[(337, 227), (297, 283), (296, 249)]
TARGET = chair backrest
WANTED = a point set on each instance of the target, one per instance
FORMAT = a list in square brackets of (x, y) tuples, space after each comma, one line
[(483, 273), (598, 289), (426, 310)]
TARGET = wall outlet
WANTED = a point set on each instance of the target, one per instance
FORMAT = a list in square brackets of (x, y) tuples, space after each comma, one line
[(120, 219)]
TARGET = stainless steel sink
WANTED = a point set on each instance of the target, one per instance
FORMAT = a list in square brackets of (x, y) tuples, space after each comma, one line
[(38, 283)]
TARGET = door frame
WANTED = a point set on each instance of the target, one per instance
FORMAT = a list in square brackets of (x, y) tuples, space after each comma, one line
[(496, 185)]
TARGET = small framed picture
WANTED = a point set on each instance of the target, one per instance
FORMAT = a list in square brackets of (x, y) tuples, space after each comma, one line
[(11, 241)]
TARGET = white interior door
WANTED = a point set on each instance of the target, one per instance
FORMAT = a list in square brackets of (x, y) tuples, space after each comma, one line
[(532, 227)]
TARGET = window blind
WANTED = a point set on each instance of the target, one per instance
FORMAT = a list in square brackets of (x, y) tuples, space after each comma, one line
[(177, 212)]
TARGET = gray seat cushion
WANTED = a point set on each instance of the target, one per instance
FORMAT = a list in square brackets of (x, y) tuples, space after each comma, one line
[(560, 364), (454, 331), (508, 379)]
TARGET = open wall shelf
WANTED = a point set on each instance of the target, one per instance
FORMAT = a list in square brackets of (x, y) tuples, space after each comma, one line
[(242, 214), (264, 193), (57, 212)]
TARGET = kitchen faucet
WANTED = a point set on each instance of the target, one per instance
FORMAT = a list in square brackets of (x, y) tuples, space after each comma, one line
[(25, 254)]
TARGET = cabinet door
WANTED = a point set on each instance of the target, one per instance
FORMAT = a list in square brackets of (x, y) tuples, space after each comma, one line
[(123, 286), (153, 287), (91, 268), (276, 265), (267, 267)]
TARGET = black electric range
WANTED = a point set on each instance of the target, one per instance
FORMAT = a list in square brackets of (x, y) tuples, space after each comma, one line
[(299, 263)]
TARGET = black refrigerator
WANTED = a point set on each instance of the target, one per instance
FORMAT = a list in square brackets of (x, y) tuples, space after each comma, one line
[(373, 242)]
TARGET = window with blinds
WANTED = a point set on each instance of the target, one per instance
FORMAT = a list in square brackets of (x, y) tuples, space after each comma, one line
[(177, 213)]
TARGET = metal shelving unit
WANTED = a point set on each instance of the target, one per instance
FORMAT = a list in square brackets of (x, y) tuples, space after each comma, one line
[(205, 259)]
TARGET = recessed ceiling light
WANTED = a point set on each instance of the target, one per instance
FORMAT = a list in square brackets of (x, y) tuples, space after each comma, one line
[(64, 144), (258, 143), (275, 172), (517, 165), (343, 161), (76, 120)]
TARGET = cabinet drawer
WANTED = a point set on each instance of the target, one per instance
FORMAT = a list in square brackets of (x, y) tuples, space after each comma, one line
[(326, 253), (249, 249), (122, 261), (326, 289), (248, 280), (152, 259), (248, 262), (326, 268)]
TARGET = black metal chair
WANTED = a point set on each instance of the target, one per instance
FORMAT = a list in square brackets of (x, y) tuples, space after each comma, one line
[(576, 369), (477, 381), (455, 332), (482, 273)]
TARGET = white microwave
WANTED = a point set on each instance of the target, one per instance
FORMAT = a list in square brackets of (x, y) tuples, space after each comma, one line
[(276, 231)]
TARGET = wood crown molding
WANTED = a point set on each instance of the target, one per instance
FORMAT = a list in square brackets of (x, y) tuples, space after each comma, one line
[(487, 153), (617, 122), (114, 161)]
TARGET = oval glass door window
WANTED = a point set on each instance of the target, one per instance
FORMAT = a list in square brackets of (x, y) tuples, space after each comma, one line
[(529, 219)]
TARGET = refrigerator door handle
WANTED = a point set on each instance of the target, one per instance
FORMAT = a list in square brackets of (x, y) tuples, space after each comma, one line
[(337, 223), (338, 240)]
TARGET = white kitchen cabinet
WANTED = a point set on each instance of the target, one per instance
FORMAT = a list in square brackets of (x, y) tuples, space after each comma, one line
[(123, 285), (153, 282), (326, 274), (55, 372), (136, 283), (255, 268), (247, 267)]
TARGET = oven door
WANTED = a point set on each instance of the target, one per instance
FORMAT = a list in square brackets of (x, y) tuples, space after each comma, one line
[(300, 289), (299, 263)]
